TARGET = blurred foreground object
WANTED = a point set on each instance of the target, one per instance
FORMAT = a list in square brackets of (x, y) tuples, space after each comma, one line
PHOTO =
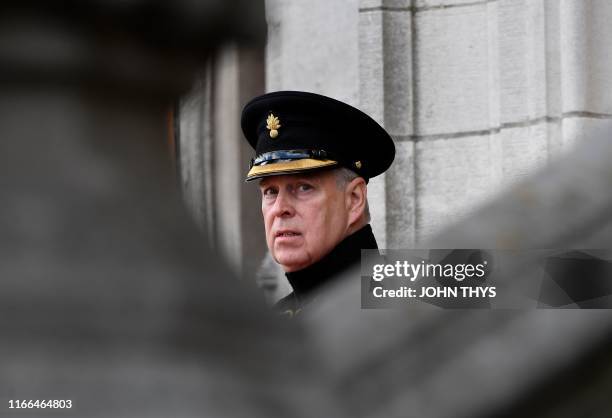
[(109, 297)]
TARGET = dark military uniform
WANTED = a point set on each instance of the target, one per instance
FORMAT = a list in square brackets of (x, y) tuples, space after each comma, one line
[(308, 281), (294, 132)]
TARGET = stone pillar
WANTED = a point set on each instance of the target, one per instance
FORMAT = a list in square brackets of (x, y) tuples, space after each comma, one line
[(195, 152), (215, 157), (238, 226), (387, 94)]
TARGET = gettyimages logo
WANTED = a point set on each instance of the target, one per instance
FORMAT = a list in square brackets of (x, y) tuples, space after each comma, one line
[(445, 278), (412, 271), (424, 270)]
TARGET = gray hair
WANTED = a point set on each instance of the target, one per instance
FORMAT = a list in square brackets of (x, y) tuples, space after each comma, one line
[(343, 177)]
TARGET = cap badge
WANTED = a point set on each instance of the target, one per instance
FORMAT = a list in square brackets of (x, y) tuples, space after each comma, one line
[(272, 123), (358, 165)]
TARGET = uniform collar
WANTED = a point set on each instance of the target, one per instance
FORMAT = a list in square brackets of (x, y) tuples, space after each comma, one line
[(344, 255)]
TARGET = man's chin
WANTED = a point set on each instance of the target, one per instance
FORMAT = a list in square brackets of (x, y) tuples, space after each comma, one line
[(291, 262)]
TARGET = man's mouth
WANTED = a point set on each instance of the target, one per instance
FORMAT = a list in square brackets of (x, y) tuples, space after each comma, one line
[(287, 234)]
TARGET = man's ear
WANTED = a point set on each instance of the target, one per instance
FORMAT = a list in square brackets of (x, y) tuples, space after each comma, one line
[(356, 198)]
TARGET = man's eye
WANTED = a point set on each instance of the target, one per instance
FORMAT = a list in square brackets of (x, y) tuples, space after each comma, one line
[(304, 187), (269, 192)]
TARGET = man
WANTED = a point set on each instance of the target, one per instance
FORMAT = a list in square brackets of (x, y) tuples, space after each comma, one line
[(314, 158)]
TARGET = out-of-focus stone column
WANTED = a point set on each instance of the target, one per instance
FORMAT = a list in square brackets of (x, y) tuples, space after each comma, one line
[(215, 157), (195, 152), (239, 226)]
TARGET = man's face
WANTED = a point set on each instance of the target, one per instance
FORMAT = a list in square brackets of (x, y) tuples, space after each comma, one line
[(305, 216)]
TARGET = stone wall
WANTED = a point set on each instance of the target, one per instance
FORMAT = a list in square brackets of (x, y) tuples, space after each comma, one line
[(476, 94)]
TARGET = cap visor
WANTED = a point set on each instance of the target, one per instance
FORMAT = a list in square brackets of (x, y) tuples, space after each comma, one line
[(287, 167)]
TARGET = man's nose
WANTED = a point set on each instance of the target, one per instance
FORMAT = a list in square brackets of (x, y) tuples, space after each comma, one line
[(283, 204)]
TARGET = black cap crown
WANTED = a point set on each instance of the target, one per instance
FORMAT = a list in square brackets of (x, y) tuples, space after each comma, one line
[(293, 131)]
